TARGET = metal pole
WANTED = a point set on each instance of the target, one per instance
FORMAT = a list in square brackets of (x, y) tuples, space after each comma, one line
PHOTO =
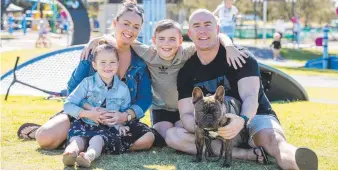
[(265, 6), (255, 12), (293, 26), (325, 47)]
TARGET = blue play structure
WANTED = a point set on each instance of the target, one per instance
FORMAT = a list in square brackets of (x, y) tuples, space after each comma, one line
[(325, 62), (154, 11)]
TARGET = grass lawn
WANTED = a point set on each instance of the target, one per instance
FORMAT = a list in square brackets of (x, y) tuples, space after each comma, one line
[(322, 93), (8, 58), (306, 124), (308, 71)]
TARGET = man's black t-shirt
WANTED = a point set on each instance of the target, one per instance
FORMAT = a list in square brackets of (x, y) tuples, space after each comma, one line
[(218, 72)]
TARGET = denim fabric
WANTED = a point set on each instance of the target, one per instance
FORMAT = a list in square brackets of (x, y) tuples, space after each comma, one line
[(94, 90), (137, 80)]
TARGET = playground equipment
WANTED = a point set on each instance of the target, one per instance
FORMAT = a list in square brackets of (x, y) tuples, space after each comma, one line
[(48, 75), (154, 11), (326, 61), (79, 16)]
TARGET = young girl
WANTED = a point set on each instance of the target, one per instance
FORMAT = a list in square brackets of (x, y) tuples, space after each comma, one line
[(276, 45), (103, 89)]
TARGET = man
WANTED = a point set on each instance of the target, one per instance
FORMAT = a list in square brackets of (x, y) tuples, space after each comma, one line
[(227, 14), (207, 70)]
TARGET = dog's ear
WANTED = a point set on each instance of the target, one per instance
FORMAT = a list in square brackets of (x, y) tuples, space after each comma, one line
[(219, 95), (197, 94)]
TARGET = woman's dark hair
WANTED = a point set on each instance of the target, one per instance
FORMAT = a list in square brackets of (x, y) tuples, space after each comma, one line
[(130, 7), (103, 45)]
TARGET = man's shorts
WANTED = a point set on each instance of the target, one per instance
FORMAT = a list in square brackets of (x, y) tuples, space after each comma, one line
[(164, 115), (260, 122)]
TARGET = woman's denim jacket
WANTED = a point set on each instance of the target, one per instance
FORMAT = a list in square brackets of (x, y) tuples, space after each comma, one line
[(137, 79)]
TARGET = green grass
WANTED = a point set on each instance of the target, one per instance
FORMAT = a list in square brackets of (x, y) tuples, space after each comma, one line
[(305, 124), (322, 93), (308, 71), (299, 55), (304, 54)]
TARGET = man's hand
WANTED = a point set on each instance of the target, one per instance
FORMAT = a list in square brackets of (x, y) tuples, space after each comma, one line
[(235, 56), (233, 128), (113, 118)]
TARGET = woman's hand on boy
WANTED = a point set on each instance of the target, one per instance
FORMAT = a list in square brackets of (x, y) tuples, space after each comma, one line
[(235, 57)]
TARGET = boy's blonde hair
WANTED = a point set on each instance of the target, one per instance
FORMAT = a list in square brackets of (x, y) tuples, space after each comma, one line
[(167, 24), (103, 45)]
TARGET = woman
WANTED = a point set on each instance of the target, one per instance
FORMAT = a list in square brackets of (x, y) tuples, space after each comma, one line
[(132, 71)]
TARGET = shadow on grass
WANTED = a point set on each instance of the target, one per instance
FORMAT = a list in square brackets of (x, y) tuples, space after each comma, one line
[(50, 152), (167, 159)]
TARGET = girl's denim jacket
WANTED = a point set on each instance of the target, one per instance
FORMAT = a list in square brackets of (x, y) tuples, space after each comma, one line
[(137, 79), (96, 92)]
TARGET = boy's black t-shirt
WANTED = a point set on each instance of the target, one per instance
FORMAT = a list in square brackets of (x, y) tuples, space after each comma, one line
[(218, 72)]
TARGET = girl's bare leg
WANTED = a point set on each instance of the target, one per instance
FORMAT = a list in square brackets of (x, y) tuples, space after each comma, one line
[(76, 145), (93, 152)]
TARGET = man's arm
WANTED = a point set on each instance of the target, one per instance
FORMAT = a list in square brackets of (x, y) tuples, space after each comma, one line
[(186, 109), (249, 95)]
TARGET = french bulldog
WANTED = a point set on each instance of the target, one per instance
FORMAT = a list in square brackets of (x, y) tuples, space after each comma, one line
[(209, 116)]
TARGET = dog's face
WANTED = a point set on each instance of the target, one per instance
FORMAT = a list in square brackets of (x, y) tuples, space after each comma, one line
[(209, 111)]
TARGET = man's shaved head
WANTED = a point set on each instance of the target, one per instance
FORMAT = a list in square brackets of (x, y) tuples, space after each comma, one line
[(202, 12), (203, 29)]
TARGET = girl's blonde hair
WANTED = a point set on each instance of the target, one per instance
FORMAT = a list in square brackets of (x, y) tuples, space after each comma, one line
[(103, 45)]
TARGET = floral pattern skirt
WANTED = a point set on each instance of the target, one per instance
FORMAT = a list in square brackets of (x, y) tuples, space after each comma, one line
[(113, 142)]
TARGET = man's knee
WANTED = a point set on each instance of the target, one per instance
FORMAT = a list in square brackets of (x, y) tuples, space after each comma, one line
[(169, 137), (179, 124), (173, 138), (268, 137), (270, 140), (162, 127)]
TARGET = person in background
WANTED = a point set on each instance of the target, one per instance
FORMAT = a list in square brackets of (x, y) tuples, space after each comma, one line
[(227, 14), (24, 24), (276, 45), (10, 23), (280, 26)]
